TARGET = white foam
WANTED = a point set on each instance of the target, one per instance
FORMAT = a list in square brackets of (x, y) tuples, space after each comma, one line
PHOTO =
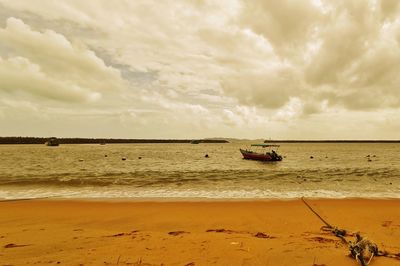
[(134, 193)]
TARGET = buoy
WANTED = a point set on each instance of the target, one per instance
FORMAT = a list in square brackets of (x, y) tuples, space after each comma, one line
[(206, 156), (123, 158), (311, 157), (105, 155), (139, 157)]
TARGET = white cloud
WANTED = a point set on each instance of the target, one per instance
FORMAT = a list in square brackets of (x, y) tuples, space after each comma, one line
[(19, 75), (48, 64), (213, 65), (293, 109)]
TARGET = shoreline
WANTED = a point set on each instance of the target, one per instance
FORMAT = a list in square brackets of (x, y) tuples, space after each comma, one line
[(192, 199), (266, 232)]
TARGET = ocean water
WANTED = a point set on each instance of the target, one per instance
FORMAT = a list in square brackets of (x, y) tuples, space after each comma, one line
[(182, 171)]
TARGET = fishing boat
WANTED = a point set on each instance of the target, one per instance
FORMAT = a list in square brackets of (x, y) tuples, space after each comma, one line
[(52, 142), (256, 152)]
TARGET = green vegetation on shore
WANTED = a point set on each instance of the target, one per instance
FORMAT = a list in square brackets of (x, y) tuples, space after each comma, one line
[(41, 140)]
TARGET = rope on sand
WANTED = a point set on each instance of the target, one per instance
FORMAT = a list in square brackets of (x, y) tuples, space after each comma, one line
[(361, 249), (341, 233)]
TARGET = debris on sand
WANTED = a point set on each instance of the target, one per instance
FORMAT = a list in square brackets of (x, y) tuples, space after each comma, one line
[(11, 245), (262, 235), (177, 233)]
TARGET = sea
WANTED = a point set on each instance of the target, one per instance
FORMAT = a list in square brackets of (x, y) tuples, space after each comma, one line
[(182, 171)]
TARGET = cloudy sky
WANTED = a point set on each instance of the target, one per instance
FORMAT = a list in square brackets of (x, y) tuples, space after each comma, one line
[(288, 69)]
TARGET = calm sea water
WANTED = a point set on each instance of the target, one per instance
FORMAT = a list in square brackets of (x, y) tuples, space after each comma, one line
[(182, 171)]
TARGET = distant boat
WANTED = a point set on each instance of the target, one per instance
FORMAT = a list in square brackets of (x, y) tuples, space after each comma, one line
[(52, 142), (195, 141), (259, 155)]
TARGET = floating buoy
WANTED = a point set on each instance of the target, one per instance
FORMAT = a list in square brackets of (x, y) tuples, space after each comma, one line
[(139, 157), (123, 158), (311, 157), (105, 155), (206, 156)]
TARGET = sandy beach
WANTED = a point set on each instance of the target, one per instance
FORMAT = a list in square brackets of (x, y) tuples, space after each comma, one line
[(70, 232)]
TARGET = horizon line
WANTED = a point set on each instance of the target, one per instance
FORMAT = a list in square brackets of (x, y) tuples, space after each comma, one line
[(212, 138)]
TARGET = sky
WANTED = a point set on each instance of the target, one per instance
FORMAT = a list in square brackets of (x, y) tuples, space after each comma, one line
[(288, 69)]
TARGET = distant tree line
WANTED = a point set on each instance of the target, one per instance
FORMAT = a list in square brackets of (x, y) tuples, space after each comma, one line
[(40, 140), (332, 141)]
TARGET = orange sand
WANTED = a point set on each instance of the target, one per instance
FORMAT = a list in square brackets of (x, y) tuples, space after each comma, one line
[(70, 232)]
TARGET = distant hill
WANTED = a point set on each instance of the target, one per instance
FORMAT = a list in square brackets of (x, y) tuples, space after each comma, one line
[(41, 140)]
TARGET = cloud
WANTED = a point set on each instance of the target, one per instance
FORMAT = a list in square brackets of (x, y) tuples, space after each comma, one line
[(50, 65), (389, 9), (204, 64), (287, 25), (18, 75), (340, 52), (269, 89), (357, 61)]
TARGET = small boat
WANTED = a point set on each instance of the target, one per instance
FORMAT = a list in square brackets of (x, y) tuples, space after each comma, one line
[(52, 142), (260, 155)]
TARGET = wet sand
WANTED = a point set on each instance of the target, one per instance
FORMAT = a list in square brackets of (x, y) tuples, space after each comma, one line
[(68, 232)]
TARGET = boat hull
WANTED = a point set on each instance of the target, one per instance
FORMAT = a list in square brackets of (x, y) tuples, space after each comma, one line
[(250, 155)]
